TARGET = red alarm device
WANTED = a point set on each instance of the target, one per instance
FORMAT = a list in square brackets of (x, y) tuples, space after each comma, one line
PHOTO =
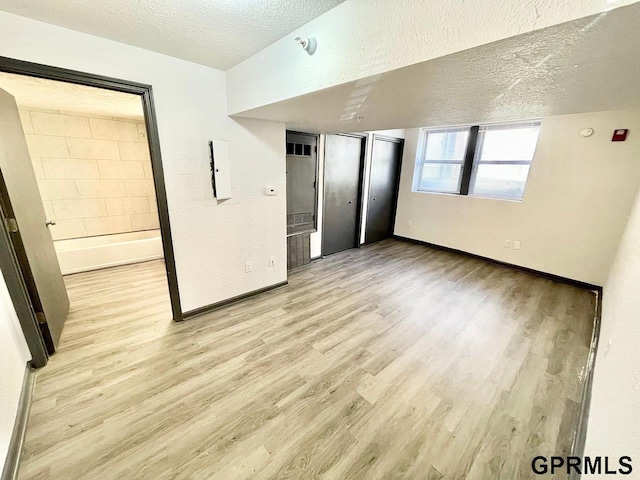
[(620, 135)]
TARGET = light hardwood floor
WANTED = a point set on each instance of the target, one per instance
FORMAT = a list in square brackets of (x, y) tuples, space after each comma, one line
[(390, 361)]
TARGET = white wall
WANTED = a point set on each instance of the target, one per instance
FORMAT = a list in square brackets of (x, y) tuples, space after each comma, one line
[(211, 241), (361, 38), (14, 356), (576, 203), (316, 237), (614, 418)]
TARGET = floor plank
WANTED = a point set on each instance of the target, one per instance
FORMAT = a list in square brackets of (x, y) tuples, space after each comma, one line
[(389, 361)]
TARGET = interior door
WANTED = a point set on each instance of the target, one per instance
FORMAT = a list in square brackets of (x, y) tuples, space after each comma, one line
[(24, 214), (342, 192), (386, 157)]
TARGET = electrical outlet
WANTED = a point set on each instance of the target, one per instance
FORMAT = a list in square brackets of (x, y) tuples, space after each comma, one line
[(507, 243), (248, 267), (272, 261), (410, 223), (516, 245)]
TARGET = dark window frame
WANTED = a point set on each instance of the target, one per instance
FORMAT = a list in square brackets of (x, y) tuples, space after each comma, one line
[(469, 161)]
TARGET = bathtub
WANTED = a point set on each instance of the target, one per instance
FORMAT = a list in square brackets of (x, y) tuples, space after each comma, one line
[(92, 253)]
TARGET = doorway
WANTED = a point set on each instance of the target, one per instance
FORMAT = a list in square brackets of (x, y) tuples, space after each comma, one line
[(343, 178), (302, 197), (105, 211)]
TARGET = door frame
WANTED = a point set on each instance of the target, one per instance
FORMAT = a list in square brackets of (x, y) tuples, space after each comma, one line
[(396, 191), (364, 138), (317, 152), (145, 92)]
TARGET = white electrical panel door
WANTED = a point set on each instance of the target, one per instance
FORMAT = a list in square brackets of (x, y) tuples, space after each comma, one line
[(221, 166)]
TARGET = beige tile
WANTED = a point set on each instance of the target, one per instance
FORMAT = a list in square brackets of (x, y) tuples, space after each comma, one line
[(70, 168), (113, 129), (68, 229), (144, 221), (45, 146), (90, 148), (60, 125), (48, 209), (140, 188), (126, 206), (142, 132), (37, 167), (120, 169), (108, 225), (25, 119), (153, 204), (57, 189), (102, 188), (148, 171), (80, 208), (134, 151)]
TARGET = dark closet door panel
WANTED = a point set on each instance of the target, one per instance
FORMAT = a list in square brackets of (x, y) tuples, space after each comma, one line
[(342, 192), (383, 188)]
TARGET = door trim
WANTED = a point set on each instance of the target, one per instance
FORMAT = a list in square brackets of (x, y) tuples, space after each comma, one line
[(145, 91), (396, 192), (364, 138)]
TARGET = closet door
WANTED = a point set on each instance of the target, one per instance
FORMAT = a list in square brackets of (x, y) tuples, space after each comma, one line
[(343, 166), (386, 158)]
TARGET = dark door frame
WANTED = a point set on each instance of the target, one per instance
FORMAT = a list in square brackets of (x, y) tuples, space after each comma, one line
[(396, 192), (363, 156), (145, 92)]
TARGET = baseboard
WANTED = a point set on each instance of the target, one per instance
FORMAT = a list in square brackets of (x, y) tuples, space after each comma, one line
[(577, 449), (550, 276), (12, 462), (224, 303)]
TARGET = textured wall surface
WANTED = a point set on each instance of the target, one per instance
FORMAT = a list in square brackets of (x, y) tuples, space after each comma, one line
[(216, 33), (94, 173), (614, 419), (362, 38), (211, 241), (576, 203), (14, 356)]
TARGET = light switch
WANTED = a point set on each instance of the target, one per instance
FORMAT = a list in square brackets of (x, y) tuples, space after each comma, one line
[(270, 191)]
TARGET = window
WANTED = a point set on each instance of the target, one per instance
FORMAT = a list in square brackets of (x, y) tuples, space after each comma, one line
[(487, 160), (443, 153)]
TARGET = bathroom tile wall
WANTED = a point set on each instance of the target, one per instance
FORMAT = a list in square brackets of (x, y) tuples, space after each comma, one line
[(94, 173)]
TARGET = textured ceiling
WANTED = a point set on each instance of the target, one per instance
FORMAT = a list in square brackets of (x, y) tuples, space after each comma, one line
[(218, 33), (585, 65), (31, 92)]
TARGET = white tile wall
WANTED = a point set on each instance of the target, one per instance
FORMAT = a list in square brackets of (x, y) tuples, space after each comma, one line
[(120, 169), (70, 168), (126, 206), (144, 221), (100, 188), (90, 148), (68, 229), (94, 174), (47, 146), (79, 208), (60, 125), (108, 225), (134, 151), (114, 130)]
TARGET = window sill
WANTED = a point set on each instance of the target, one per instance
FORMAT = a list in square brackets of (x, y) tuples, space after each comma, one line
[(482, 197)]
